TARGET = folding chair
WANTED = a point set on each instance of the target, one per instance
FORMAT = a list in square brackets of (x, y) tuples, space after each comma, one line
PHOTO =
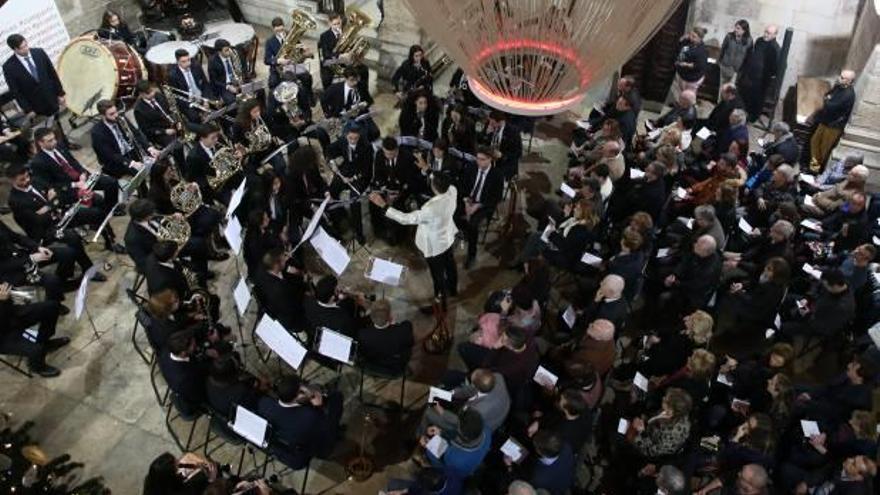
[(176, 411), (366, 370), (16, 366), (141, 319)]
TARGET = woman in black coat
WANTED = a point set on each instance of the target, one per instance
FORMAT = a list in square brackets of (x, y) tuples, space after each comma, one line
[(413, 74), (420, 116)]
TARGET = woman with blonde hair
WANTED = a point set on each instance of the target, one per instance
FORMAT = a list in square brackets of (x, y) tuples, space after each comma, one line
[(569, 239), (694, 377), (668, 430), (664, 354)]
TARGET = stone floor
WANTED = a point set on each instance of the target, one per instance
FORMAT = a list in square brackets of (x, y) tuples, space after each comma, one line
[(103, 412)]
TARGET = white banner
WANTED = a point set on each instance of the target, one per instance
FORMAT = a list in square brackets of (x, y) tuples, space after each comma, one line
[(37, 20)]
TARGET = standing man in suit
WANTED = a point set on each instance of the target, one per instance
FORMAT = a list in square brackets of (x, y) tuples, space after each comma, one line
[(394, 175), (115, 142), (386, 345), (279, 66), (483, 185), (435, 234), (758, 70), (225, 72), (191, 79), (505, 142), (304, 419), (327, 48), (32, 80)]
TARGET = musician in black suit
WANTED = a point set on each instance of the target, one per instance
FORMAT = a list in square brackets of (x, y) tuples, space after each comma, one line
[(32, 79), (333, 308), (184, 373), (437, 161), (385, 345), (327, 47), (413, 74), (305, 186), (141, 236), (17, 318), (483, 186), (164, 271), (505, 141), (340, 98), (114, 28), (352, 156), (20, 255), (279, 66), (420, 116), (280, 288), (14, 145), (189, 78), (54, 167), (396, 177), (304, 420), (459, 130), (36, 212), (198, 165), (117, 144), (225, 72), (153, 115)]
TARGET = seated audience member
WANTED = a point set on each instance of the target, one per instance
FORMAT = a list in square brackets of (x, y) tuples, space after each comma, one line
[(838, 170), (467, 448), (666, 352), (485, 393), (596, 347), (752, 479), (826, 314), (386, 345), (570, 418), (521, 310), (304, 420), (829, 201), (552, 467), (516, 360), (833, 402), (753, 305), (668, 430), (695, 278), (684, 107), (759, 250)]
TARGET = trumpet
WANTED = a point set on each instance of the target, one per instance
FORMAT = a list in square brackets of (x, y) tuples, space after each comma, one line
[(198, 102)]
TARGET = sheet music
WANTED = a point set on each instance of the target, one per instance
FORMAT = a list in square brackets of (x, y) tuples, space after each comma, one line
[(745, 226), (809, 179), (811, 224), (545, 378), (769, 333), (635, 173), (435, 393), (777, 321), (688, 222), (622, 426), (236, 198), (680, 193), (811, 428), (724, 379), (545, 236), (640, 381), (514, 450), (250, 426), (386, 272), (232, 233), (569, 316), (808, 200), (591, 259), (286, 346), (437, 446), (331, 251), (567, 190), (313, 224), (82, 293), (812, 271), (242, 296), (704, 133), (334, 345)]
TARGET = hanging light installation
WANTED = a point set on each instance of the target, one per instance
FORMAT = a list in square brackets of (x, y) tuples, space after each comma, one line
[(539, 57)]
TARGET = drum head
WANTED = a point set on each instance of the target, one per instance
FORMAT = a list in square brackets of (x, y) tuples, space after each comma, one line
[(163, 53), (235, 33), (87, 70)]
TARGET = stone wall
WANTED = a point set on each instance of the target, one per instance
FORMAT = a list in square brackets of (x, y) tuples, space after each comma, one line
[(82, 15), (822, 29)]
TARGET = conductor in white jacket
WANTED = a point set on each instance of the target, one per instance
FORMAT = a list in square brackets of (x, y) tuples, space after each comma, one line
[(435, 234)]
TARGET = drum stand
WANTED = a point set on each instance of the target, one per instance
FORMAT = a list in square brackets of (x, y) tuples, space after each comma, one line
[(361, 467)]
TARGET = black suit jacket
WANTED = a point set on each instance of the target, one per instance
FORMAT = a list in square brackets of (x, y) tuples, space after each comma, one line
[(410, 124), (510, 147), (14, 251), (152, 122), (493, 186), (386, 349), (359, 162), (403, 177), (24, 207), (177, 80), (139, 244), (326, 46), (198, 168), (281, 298), (304, 430), (339, 318), (217, 73), (186, 379), (114, 163), (463, 137), (40, 96), (334, 102), (160, 277), (48, 174)]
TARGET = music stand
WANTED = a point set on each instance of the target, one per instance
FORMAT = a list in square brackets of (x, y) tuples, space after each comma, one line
[(332, 344), (385, 275), (81, 305)]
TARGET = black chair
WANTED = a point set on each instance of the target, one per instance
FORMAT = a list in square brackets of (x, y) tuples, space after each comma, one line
[(16, 366), (218, 424), (366, 369), (179, 408), (141, 319)]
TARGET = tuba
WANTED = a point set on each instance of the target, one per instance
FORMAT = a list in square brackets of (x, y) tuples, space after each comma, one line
[(301, 23), (349, 42)]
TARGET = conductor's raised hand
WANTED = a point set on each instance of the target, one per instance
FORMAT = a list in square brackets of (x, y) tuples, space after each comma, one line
[(377, 199)]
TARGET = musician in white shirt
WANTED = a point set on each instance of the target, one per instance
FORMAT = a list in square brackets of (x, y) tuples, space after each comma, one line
[(435, 234)]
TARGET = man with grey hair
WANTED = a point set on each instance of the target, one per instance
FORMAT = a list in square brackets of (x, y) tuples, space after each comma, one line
[(519, 487), (783, 144), (684, 108), (670, 481), (695, 278), (836, 171), (719, 120), (706, 222), (831, 119), (737, 131), (758, 70), (828, 201), (777, 243)]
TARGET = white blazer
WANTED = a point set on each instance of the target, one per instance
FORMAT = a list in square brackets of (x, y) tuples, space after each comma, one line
[(436, 230)]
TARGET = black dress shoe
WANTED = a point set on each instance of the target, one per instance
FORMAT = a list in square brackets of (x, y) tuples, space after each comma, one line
[(99, 277), (63, 310), (56, 343), (46, 371)]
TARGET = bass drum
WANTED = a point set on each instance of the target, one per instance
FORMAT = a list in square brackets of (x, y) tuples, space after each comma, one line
[(93, 70)]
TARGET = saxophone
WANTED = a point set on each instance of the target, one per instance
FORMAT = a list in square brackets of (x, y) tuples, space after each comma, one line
[(301, 24), (186, 135), (349, 42)]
